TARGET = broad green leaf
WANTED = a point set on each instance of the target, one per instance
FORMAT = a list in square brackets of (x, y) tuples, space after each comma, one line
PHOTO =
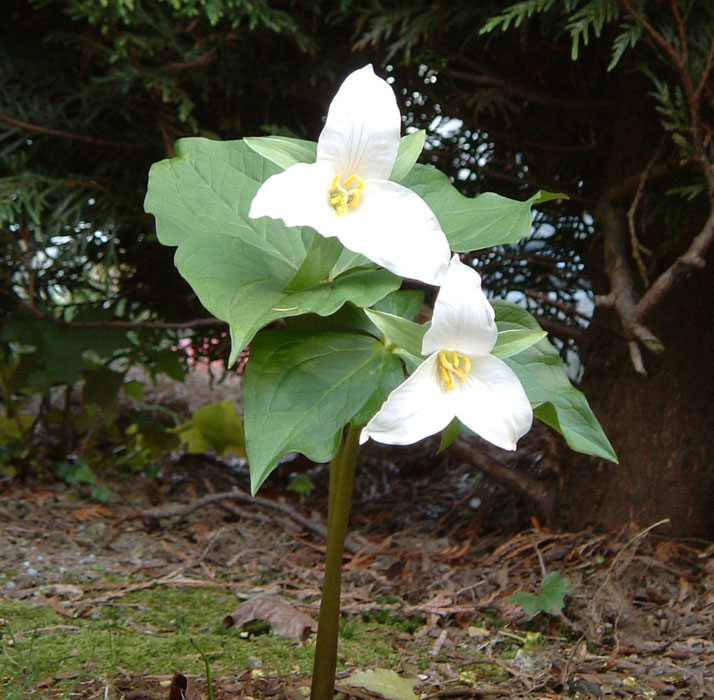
[(348, 318), (282, 150), (240, 267), (207, 189), (405, 334), (411, 361), (512, 340), (236, 283), (320, 259), (12, 428), (301, 390), (478, 222), (59, 351), (101, 388), (554, 399), (215, 426), (410, 148), (404, 302), (152, 437), (551, 595), (385, 683), (350, 260)]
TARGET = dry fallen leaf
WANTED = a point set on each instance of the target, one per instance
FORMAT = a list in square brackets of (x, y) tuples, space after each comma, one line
[(384, 682), (181, 689), (283, 619)]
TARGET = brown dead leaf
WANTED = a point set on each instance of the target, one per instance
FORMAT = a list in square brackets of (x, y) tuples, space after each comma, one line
[(96, 511), (182, 689), (284, 620)]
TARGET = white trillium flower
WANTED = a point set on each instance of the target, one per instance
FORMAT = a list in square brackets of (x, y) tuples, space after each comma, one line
[(460, 378), (346, 193)]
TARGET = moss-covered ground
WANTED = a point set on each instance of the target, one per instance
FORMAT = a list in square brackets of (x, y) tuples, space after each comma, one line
[(161, 630)]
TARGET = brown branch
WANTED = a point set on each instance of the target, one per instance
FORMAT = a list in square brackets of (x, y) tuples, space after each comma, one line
[(659, 41), (637, 247), (682, 30), (236, 494), (693, 258), (568, 309), (562, 103), (705, 73), (522, 484), (622, 296), (67, 134), (623, 188), (488, 77), (151, 325), (560, 329)]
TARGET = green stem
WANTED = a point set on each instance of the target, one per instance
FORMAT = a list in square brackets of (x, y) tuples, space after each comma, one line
[(342, 476)]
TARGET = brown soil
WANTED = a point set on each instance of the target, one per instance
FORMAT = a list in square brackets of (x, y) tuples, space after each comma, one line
[(637, 624)]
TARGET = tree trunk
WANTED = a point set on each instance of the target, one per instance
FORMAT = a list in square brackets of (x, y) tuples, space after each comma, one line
[(661, 425)]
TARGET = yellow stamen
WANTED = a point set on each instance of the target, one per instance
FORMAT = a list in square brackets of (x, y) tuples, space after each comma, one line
[(458, 366), (342, 197), (448, 379)]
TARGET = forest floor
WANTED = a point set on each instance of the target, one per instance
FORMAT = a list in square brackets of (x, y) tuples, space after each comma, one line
[(110, 600)]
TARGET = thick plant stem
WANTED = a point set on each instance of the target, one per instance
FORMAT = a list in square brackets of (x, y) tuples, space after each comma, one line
[(342, 475)]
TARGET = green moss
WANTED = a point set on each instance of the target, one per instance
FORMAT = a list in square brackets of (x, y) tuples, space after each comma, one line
[(150, 631)]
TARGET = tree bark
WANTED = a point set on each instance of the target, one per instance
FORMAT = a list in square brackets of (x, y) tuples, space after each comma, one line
[(661, 424)]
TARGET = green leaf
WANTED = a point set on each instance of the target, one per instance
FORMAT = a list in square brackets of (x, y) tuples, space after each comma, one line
[(474, 223), (101, 388), (320, 259), (411, 361), (551, 595), (12, 428), (385, 683), (240, 267), (215, 426), (404, 302), (449, 434), (512, 340), (59, 351), (405, 334), (301, 390), (239, 285), (76, 473), (282, 150), (410, 148), (554, 399)]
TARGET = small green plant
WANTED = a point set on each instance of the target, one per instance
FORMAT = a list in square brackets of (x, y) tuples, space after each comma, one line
[(302, 485), (550, 597)]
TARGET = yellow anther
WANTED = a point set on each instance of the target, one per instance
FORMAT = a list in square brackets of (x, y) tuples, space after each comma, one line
[(457, 366), (342, 197), (448, 379)]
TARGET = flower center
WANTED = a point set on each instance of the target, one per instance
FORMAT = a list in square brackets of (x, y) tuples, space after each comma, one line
[(452, 364), (342, 197)]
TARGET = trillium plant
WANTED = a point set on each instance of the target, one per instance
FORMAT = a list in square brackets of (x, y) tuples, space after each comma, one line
[(302, 249)]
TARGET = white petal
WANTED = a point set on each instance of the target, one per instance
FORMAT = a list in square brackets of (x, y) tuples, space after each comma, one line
[(492, 402), (414, 410), (299, 196), (395, 228), (361, 134), (463, 319)]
